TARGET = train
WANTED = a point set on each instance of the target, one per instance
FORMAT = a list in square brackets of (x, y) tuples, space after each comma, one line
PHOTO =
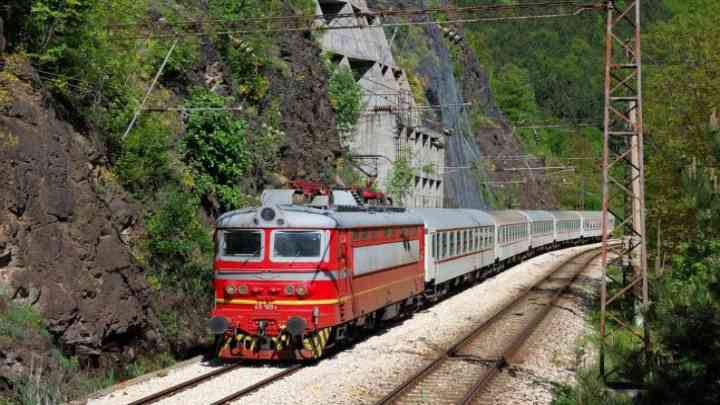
[(294, 279)]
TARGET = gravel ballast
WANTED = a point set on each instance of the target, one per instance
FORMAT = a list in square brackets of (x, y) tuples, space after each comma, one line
[(363, 373), (553, 352)]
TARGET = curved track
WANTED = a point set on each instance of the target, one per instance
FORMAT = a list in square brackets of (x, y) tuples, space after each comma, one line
[(469, 365), (168, 392)]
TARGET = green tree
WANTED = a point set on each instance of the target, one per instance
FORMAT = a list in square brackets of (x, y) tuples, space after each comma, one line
[(686, 328), (401, 178), (179, 244), (215, 146), (683, 91), (515, 94), (345, 96)]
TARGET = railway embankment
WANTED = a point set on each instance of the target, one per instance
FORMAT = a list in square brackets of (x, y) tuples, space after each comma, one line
[(364, 372)]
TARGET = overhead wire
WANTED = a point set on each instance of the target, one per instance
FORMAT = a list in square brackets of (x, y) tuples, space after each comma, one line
[(579, 8), (381, 13)]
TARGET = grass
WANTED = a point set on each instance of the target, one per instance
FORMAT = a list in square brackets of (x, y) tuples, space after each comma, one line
[(589, 390)]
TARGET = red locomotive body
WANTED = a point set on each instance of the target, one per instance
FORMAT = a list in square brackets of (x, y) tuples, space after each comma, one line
[(289, 280)]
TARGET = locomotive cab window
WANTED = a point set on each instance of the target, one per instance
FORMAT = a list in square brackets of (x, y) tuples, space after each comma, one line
[(242, 244), (291, 245)]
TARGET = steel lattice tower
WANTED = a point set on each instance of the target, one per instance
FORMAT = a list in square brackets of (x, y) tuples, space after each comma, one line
[(623, 175)]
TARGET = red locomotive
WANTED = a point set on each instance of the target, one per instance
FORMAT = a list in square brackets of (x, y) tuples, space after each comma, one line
[(291, 279)]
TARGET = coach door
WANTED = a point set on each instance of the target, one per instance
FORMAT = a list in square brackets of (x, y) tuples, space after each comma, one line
[(344, 280)]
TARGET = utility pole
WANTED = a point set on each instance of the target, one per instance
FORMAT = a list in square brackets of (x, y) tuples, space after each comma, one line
[(623, 174)]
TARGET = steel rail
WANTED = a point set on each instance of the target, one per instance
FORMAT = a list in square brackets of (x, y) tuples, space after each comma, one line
[(184, 385), (260, 384), (523, 337), (411, 382)]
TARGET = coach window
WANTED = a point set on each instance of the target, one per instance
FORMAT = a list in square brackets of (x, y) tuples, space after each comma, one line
[(444, 245), (451, 249), (434, 246)]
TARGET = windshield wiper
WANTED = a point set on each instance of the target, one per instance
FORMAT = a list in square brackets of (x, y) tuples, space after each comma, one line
[(297, 254)]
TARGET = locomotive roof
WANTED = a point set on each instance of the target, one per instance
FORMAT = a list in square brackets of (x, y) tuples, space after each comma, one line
[(438, 219), (536, 215), (297, 216)]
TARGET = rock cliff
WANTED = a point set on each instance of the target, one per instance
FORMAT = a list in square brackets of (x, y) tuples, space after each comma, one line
[(61, 238)]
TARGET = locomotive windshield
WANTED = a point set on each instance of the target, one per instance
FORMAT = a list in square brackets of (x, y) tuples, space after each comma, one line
[(242, 243), (297, 244)]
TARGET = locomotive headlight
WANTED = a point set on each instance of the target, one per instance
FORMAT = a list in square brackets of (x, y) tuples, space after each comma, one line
[(242, 289), (230, 290), (267, 214), (301, 291), (289, 290)]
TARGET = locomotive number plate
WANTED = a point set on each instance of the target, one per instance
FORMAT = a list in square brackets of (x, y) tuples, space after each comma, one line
[(266, 306)]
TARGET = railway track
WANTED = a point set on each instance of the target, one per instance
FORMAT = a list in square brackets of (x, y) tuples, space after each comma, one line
[(463, 371), (169, 392)]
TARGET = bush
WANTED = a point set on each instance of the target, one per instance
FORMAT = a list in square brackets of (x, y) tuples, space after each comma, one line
[(588, 390), (179, 244), (345, 97), (216, 148), (17, 321), (686, 324), (400, 180), (144, 163)]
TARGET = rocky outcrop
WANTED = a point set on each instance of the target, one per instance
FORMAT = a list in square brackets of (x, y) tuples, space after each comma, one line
[(498, 139), (307, 115), (61, 249)]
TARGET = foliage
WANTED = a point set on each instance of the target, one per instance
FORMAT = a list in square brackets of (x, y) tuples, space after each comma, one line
[(57, 28), (215, 146), (401, 179), (685, 93), (179, 243), (588, 390), (17, 321), (515, 94), (346, 97), (148, 364), (686, 326), (144, 163)]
